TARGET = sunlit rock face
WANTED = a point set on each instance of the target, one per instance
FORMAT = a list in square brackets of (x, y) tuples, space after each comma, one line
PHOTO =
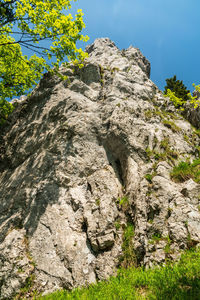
[(79, 160)]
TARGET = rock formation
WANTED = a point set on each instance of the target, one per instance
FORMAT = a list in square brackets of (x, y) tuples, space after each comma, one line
[(81, 158)]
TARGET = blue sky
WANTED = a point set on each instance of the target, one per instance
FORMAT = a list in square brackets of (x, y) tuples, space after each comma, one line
[(166, 31)]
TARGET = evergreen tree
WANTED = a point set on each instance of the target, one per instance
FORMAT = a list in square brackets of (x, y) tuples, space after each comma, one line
[(177, 87)]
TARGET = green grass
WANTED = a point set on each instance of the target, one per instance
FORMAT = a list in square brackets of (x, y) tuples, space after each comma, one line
[(155, 238), (166, 152), (171, 125), (128, 257), (149, 113), (186, 170), (27, 288), (123, 202), (148, 177), (179, 281)]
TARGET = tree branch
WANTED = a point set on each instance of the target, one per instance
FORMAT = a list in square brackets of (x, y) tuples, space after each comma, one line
[(29, 47), (20, 42), (13, 21)]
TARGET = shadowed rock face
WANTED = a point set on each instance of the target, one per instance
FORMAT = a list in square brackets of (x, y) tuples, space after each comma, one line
[(70, 152)]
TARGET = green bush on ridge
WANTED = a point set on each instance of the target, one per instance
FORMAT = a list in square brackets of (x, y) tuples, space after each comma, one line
[(178, 94), (178, 88)]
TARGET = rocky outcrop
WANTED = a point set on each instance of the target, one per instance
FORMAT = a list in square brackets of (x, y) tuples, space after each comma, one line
[(80, 160), (192, 115)]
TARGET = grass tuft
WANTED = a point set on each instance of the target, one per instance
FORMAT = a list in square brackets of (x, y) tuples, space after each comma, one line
[(186, 170)]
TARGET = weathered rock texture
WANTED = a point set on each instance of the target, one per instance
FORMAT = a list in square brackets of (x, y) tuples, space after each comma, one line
[(72, 150), (192, 115)]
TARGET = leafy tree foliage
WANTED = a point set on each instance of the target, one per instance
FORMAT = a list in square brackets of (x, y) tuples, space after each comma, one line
[(194, 99), (5, 109), (178, 102), (6, 12), (177, 87), (32, 22)]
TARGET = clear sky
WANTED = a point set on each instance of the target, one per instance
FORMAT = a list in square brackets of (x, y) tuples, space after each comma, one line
[(166, 31)]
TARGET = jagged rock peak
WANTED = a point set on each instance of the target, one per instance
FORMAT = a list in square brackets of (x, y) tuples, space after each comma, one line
[(101, 44), (80, 159), (105, 52)]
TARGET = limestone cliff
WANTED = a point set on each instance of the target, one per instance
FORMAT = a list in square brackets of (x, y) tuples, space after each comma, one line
[(81, 158)]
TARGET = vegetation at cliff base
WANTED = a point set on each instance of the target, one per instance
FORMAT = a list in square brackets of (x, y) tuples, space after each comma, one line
[(178, 281), (28, 24)]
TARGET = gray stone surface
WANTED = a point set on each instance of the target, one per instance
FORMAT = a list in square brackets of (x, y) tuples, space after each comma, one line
[(72, 150), (193, 114)]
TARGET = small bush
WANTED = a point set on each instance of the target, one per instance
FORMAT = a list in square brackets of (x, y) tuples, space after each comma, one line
[(123, 202), (117, 225), (178, 102), (149, 177)]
